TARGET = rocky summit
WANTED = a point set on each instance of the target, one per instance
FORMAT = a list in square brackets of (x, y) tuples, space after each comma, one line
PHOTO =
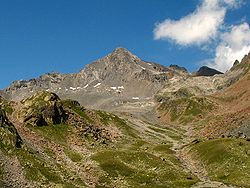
[(125, 122), (206, 71)]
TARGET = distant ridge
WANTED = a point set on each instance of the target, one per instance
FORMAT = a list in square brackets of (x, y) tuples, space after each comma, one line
[(207, 71)]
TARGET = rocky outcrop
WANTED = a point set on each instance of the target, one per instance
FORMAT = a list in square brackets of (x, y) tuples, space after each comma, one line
[(243, 65), (8, 133), (43, 108), (178, 68)]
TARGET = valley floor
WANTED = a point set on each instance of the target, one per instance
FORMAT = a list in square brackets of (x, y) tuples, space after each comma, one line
[(181, 142)]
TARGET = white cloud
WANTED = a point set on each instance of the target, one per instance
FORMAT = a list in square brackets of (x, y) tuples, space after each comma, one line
[(234, 45), (206, 25), (238, 36), (198, 27)]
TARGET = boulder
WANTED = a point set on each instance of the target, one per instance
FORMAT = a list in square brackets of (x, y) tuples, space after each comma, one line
[(43, 108)]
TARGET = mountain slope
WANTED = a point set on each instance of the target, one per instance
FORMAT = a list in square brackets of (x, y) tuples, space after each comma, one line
[(235, 104), (104, 83), (217, 126), (186, 99), (89, 148)]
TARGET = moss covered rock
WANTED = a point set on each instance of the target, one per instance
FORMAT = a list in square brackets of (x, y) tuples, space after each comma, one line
[(43, 108), (7, 106), (8, 133)]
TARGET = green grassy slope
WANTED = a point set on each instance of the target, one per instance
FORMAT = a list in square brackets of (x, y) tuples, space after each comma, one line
[(226, 160), (93, 149)]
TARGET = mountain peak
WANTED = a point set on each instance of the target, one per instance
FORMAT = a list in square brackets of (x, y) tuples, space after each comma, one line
[(207, 71), (122, 55), (120, 50)]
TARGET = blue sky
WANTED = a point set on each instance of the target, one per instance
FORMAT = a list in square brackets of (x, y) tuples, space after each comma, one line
[(42, 36)]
